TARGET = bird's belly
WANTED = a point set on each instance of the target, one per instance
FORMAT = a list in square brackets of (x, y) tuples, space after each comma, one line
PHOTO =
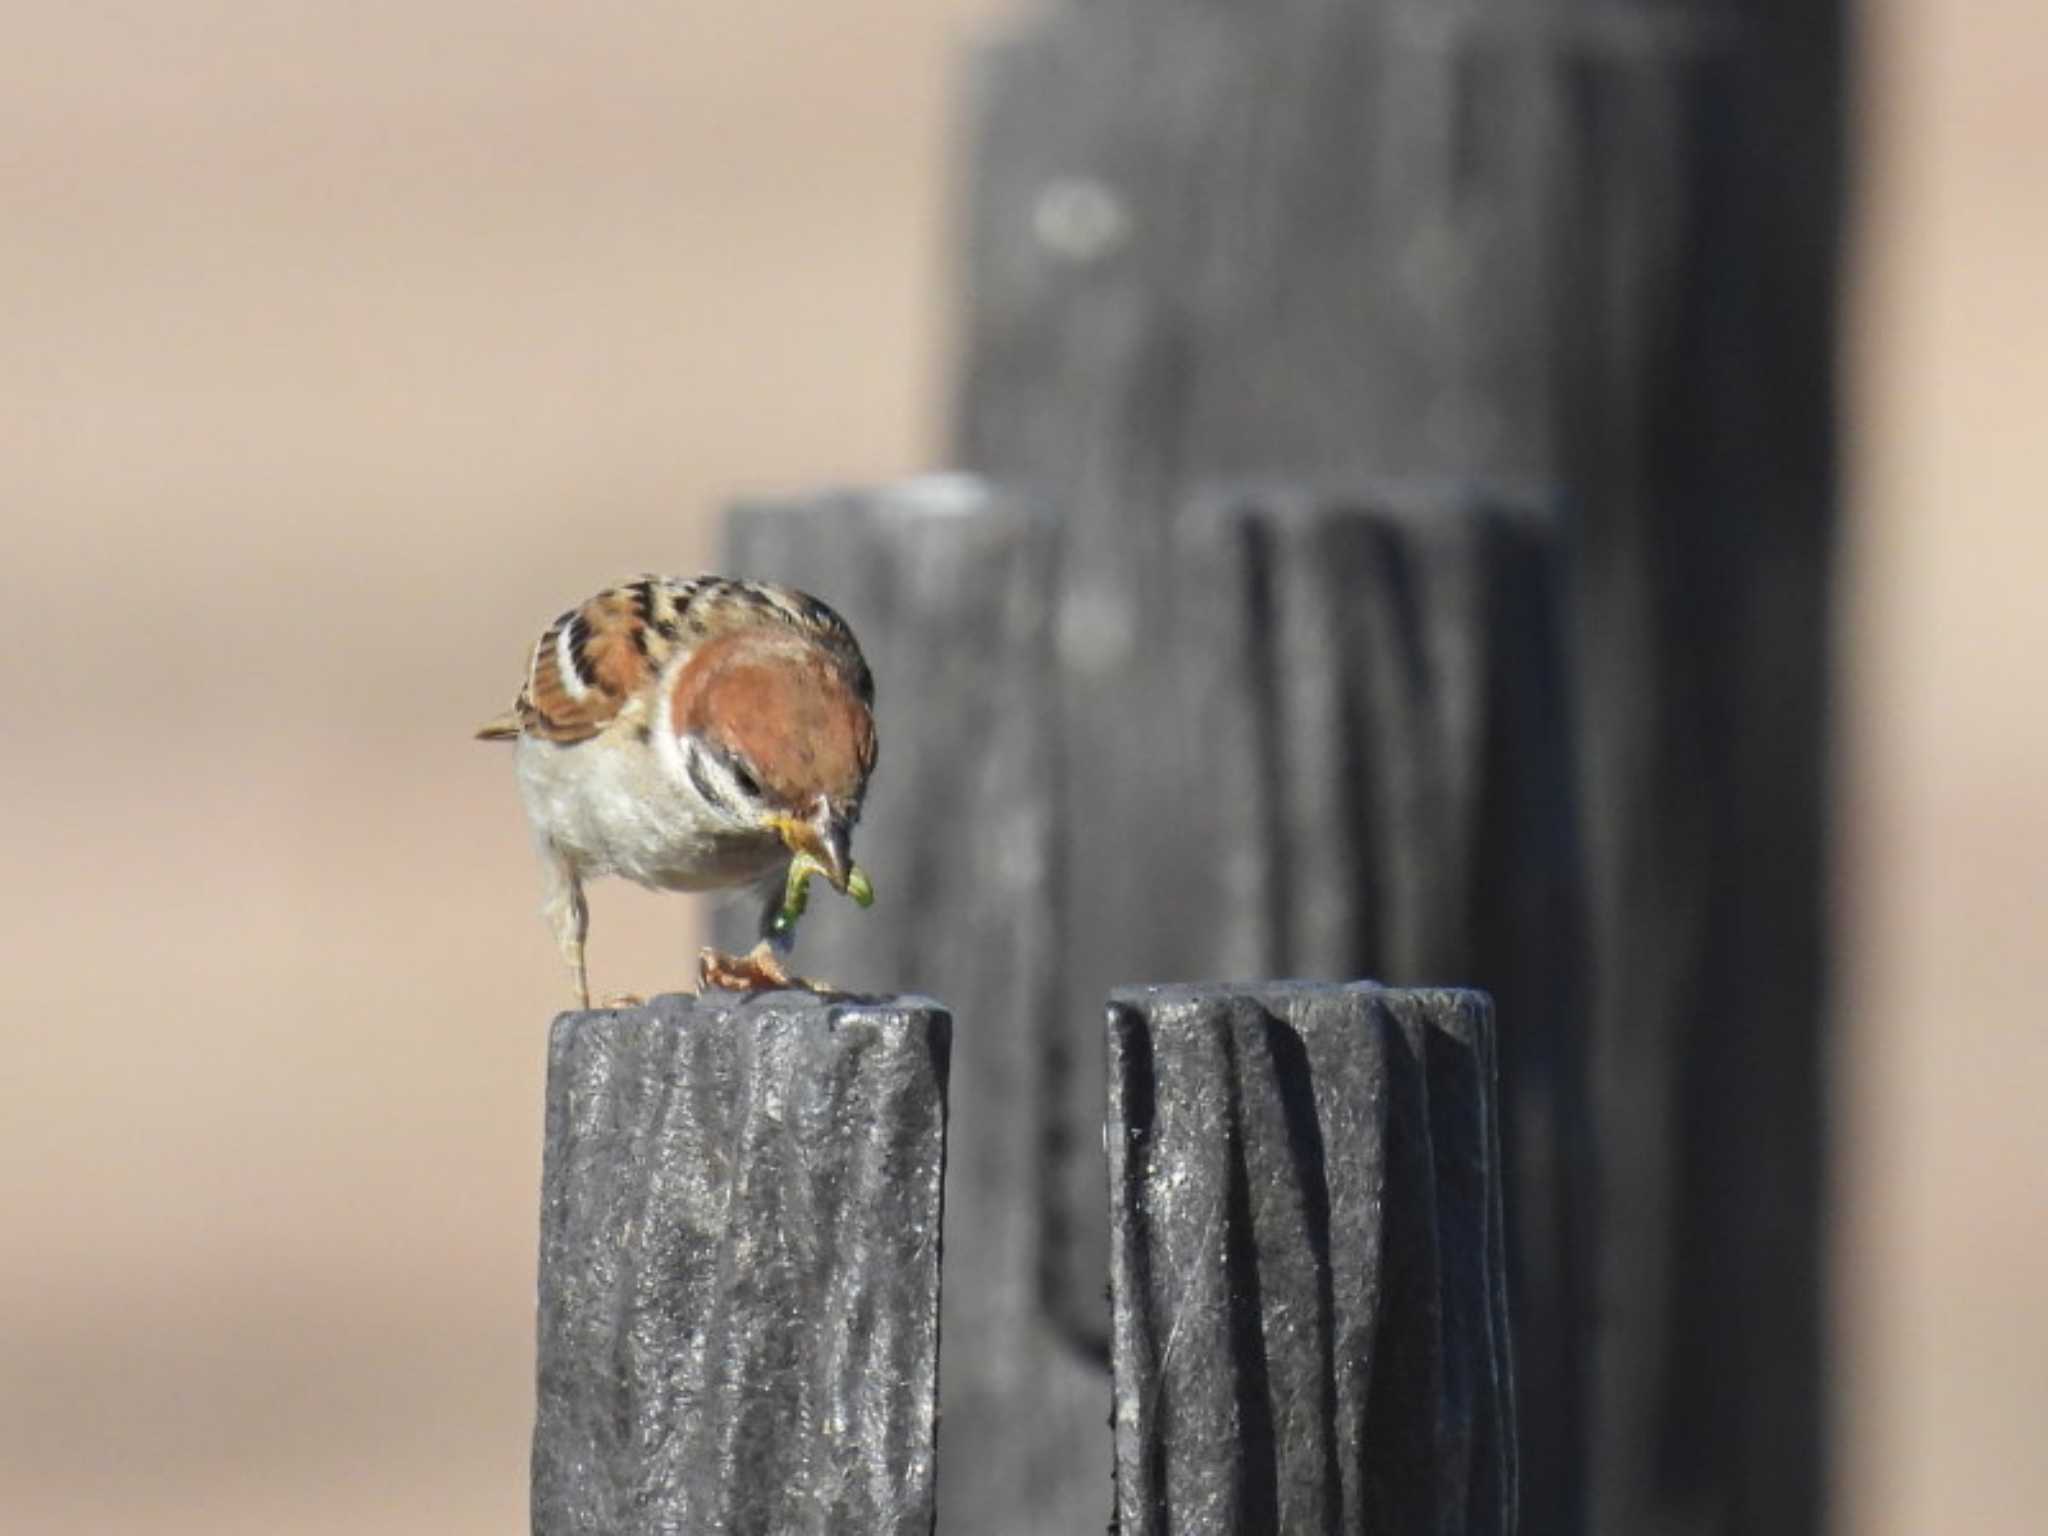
[(611, 817)]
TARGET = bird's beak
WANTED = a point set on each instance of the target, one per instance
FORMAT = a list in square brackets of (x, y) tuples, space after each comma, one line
[(826, 838)]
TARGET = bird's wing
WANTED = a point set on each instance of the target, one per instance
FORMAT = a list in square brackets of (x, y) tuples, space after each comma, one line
[(593, 664)]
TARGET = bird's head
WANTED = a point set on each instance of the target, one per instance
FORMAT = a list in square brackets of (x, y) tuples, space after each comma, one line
[(775, 733)]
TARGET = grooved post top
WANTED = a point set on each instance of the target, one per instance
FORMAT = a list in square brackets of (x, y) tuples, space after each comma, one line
[(1458, 1011), (790, 1020), (1308, 1295)]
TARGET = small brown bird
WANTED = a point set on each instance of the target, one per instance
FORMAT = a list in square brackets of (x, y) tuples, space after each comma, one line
[(694, 735)]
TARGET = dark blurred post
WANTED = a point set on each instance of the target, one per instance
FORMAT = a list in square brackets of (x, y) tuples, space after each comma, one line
[(948, 584), (1694, 410), (1259, 302), (1366, 767), (1326, 244)]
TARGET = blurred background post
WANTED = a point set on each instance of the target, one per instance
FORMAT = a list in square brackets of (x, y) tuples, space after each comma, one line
[(341, 344)]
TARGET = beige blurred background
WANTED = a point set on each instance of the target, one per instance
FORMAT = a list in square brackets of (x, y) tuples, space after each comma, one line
[(1943, 1063), (341, 345)]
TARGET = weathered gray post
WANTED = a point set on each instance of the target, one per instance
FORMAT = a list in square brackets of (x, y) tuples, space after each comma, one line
[(1592, 247), (948, 583), (1312, 251), (1360, 760), (1306, 1279), (739, 1268)]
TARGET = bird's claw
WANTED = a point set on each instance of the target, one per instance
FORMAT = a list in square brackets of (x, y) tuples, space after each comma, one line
[(756, 971)]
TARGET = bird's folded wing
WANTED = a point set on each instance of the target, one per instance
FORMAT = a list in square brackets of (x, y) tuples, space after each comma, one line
[(593, 664)]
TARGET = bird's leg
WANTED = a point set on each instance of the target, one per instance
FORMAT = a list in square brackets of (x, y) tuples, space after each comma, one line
[(568, 914), (572, 947)]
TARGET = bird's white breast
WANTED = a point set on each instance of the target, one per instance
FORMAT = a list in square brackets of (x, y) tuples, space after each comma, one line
[(610, 808)]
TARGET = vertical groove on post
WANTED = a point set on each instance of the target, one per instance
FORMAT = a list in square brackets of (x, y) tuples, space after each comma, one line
[(739, 1268), (1307, 1299)]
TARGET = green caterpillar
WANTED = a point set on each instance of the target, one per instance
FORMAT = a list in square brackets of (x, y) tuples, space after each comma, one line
[(796, 892)]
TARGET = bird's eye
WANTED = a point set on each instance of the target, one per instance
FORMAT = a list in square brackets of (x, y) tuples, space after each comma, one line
[(749, 785)]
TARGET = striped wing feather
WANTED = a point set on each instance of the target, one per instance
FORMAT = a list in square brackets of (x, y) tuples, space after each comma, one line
[(593, 664)]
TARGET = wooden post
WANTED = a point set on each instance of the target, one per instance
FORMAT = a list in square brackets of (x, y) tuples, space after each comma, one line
[(1381, 684), (1593, 247), (1314, 249), (1360, 753), (1306, 1267), (739, 1268), (947, 582)]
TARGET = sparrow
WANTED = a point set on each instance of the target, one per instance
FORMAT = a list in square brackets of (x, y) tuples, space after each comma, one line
[(694, 735)]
